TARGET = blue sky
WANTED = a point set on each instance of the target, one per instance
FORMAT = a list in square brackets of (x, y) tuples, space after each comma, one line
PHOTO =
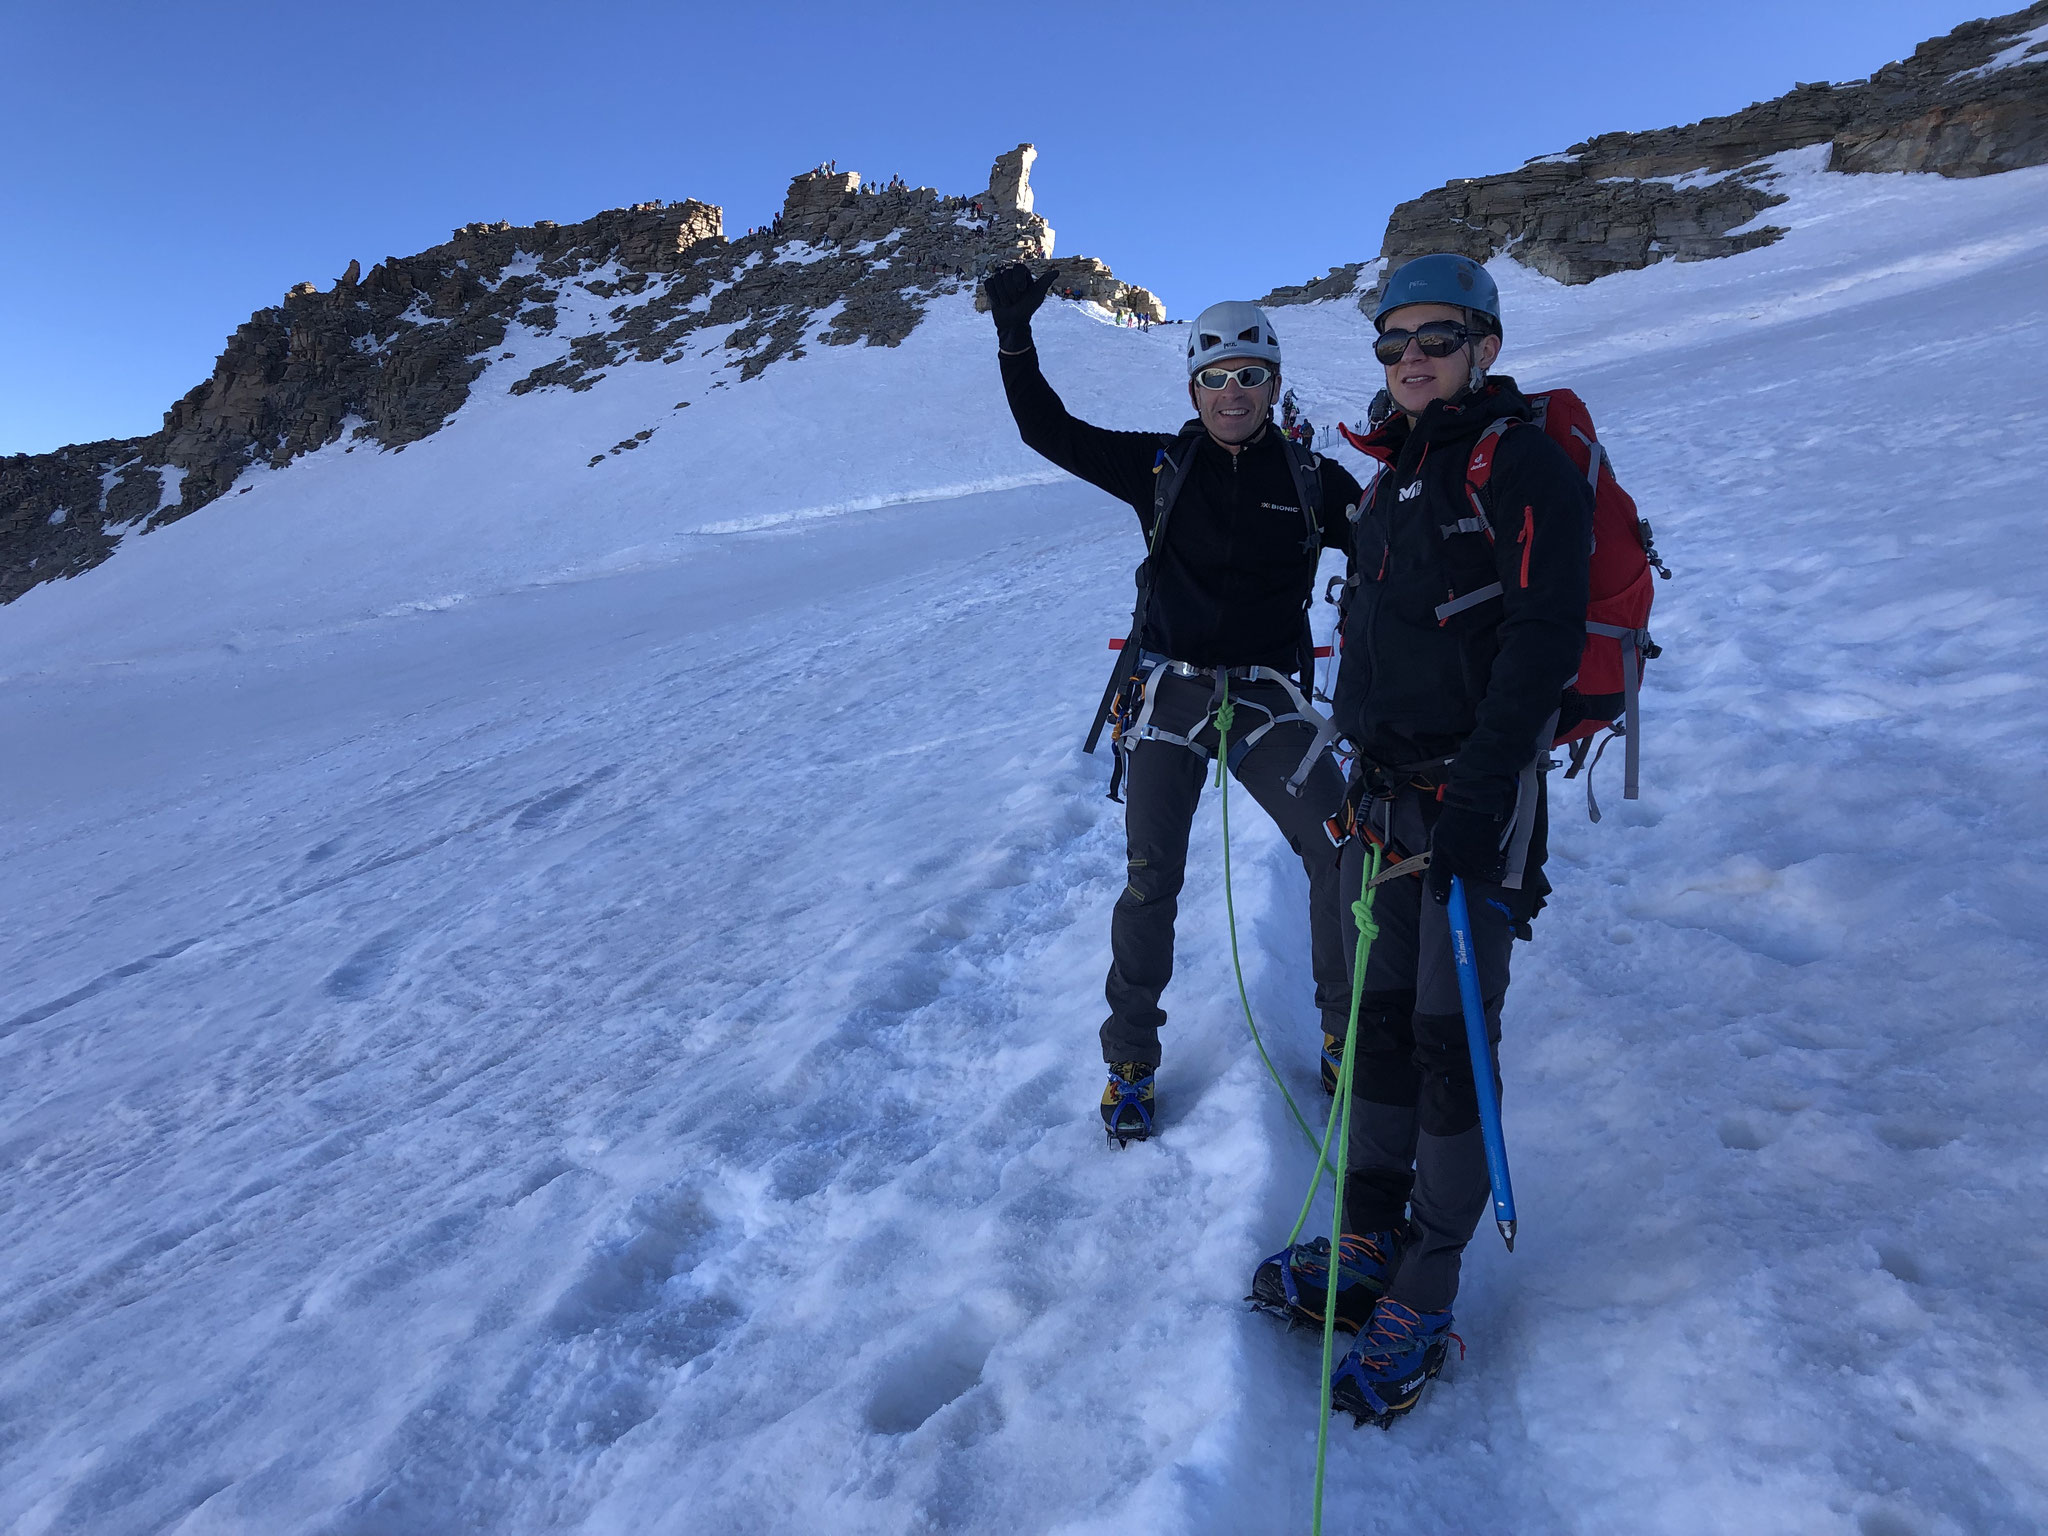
[(165, 170)]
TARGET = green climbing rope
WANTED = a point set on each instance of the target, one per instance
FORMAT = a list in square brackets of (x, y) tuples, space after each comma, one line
[(1225, 716), (1340, 1112), (1340, 1107)]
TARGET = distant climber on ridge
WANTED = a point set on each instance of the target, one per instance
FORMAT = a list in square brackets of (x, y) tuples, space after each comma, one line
[(1235, 519)]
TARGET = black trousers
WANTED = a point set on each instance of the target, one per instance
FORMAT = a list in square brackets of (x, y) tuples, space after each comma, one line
[(1416, 1147), (1163, 785)]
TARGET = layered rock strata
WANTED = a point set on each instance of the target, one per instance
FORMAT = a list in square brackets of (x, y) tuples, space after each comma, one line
[(1971, 103), (385, 358)]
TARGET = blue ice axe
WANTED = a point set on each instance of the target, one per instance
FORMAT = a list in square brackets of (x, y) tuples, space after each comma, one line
[(1482, 1063)]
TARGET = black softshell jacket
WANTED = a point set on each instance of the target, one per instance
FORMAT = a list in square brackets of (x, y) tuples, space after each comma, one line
[(1234, 574), (1476, 688)]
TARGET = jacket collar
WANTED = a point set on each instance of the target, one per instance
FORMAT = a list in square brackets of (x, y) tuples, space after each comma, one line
[(1445, 422)]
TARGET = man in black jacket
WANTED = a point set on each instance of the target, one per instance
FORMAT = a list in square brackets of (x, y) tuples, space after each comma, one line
[(1234, 528), (1462, 633)]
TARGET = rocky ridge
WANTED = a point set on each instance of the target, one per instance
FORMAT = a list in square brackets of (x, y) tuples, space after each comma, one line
[(1971, 103), (384, 358)]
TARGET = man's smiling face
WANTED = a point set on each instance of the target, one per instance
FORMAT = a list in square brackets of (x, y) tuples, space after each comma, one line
[(1234, 414)]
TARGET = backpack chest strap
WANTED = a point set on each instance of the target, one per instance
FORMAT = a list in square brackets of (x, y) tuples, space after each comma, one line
[(1478, 472)]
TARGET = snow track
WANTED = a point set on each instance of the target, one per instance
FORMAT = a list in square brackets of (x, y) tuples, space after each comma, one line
[(618, 1055)]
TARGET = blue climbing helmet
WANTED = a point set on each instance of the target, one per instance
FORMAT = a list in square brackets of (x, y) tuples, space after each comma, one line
[(1442, 279)]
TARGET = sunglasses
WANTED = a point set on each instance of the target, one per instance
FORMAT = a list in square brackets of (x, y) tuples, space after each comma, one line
[(1250, 376), (1438, 338)]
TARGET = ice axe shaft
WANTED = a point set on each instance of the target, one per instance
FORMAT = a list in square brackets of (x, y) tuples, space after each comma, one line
[(1482, 1063)]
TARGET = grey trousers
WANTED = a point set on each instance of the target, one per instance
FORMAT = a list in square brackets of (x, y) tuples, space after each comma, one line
[(1163, 785), (1416, 1148)]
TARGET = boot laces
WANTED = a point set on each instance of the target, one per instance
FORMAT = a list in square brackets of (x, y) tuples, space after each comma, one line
[(1359, 1249), (1394, 1329)]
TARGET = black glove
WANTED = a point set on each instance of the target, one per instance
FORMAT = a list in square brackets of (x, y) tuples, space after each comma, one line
[(1470, 833), (1013, 298)]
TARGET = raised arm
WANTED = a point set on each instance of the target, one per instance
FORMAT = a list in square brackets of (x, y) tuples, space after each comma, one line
[(1117, 462)]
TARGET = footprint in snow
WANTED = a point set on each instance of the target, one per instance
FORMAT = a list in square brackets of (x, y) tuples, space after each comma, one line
[(1740, 1133), (544, 811), (937, 1370), (365, 972)]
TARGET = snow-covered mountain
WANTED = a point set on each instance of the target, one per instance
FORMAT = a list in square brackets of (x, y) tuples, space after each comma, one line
[(385, 359), (550, 995)]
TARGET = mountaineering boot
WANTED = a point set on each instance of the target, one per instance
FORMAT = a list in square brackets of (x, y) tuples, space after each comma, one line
[(1127, 1102), (1333, 1061), (1397, 1353), (1295, 1283)]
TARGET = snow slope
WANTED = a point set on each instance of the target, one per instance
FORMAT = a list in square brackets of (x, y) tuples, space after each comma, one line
[(545, 997)]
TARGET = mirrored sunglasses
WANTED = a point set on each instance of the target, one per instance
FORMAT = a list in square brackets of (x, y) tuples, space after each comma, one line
[(1437, 338)]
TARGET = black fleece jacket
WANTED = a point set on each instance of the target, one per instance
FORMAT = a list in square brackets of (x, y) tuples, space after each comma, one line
[(1238, 563), (1478, 687)]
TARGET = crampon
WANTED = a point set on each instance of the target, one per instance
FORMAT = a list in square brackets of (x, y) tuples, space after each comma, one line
[(1398, 1353), (1127, 1103), (1295, 1283)]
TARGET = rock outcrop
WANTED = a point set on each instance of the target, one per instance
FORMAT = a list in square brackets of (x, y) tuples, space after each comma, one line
[(384, 358), (1334, 284), (1084, 279), (1971, 103), (1009, 184), (1027, 238)]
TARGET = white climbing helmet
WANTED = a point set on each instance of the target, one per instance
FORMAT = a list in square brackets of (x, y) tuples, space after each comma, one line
[(1231, 329)]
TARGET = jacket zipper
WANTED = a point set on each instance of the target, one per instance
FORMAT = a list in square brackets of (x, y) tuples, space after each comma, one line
[(1372, 623)]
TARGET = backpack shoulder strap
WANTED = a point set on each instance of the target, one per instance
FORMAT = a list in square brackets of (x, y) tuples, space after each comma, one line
[(1306, 468), (1170, 468), (1479, 467), (1169, 472), (1478, 472)]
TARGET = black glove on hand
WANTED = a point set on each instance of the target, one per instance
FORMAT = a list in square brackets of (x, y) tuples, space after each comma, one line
[(1469, 835), (1013, 298)]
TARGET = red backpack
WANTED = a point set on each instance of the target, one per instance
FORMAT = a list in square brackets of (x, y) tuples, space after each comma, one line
[(1620, 591)]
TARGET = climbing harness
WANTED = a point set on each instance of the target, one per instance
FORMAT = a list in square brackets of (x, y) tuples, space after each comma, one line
[(1128, 679), (1142, 727)]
